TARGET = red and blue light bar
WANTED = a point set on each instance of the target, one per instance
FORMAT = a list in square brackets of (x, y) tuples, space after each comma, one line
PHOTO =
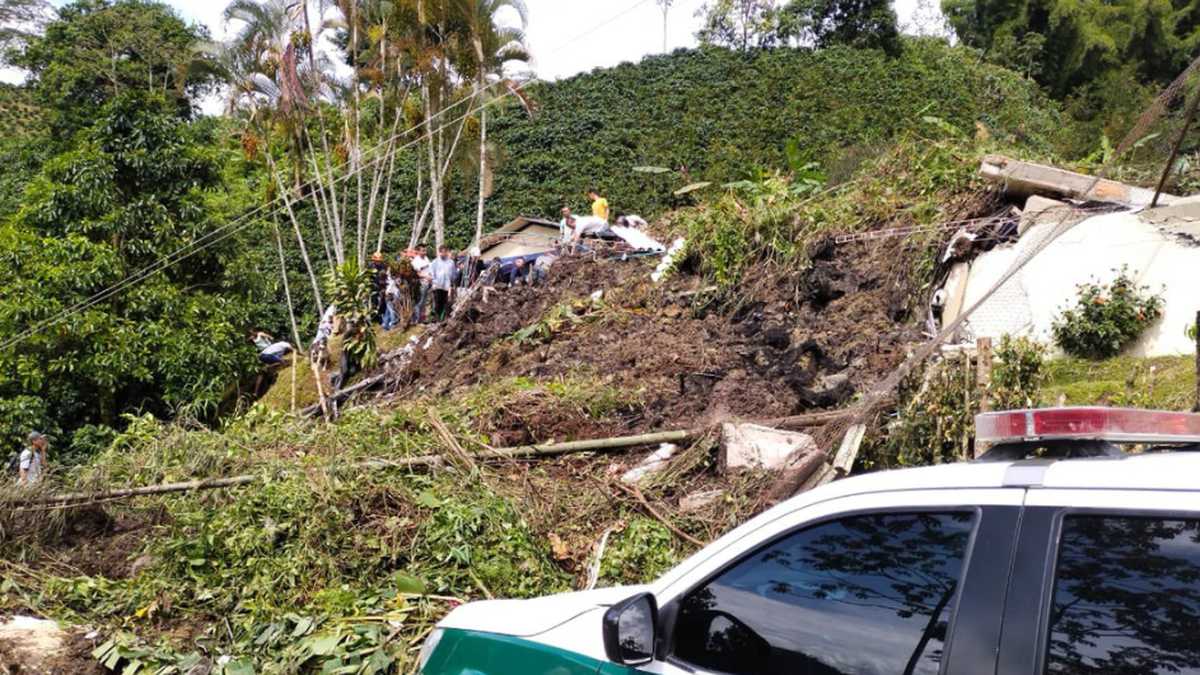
[(1116, 425)]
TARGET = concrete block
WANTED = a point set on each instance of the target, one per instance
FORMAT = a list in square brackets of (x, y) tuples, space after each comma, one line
[(750, 446)]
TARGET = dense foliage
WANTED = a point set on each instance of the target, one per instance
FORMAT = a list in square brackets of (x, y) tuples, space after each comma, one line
[(97, 50), (1067, 44), (717, 115), (120, 192), (760, 24), (1107, 318)]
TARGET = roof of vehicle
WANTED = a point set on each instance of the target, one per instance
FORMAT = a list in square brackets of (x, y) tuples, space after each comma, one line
[(1158, 471)]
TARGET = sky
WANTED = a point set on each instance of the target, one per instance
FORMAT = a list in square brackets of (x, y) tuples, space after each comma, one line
[(568, 37)]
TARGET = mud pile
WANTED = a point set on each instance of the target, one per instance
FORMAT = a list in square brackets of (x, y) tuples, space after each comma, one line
[(778, 345)]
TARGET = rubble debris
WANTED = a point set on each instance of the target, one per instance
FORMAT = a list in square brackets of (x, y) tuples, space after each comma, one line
[(699, 500), (847, 454), (1026, 179), (1095, 248), (31, 645), (638, 240), (652, 464), (668, 260), (750, 446), (1039, 210)]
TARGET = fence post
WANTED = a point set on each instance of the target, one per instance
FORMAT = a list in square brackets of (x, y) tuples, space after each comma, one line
[(983, 372)]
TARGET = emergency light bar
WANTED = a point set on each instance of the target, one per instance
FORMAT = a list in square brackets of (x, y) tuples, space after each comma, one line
[(1115, 425)]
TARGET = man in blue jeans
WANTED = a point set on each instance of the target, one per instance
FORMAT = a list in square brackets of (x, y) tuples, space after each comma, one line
[(420, 265)]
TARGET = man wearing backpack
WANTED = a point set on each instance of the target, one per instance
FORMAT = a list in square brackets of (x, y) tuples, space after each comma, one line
[(32, 464)]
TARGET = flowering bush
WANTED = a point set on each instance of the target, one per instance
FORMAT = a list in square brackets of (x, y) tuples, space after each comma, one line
[(1107, 318)]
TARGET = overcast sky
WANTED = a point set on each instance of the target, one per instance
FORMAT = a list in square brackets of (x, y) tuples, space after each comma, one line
[(573, 36)]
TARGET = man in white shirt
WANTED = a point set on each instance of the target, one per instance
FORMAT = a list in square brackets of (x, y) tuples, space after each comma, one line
[(566, 226), (33, 460), (441, 272), (420, 265)]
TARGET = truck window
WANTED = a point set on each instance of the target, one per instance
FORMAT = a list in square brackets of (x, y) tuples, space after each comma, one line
[(1126, 597), (865, 594)]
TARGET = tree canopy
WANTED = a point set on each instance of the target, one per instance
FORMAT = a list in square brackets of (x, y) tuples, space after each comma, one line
[(1068, 44), (759, 24), (129, 182), (97, 49)]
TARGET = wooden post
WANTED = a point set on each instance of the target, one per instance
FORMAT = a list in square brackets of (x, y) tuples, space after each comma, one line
[(983, 373), (983, 382)]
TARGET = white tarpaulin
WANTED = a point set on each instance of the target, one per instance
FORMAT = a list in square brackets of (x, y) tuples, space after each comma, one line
[(640, 241)]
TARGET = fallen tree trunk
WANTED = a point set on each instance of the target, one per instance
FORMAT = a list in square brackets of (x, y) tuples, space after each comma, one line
[(423, 461)]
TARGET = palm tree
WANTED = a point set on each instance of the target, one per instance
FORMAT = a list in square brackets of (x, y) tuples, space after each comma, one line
[(666, 10), (494, 46)]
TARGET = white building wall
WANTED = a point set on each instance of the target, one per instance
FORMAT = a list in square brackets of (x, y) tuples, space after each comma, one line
[(1094, 249)]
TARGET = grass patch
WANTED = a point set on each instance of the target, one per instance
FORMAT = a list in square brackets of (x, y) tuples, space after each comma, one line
[(1167, 383), (279, 395)]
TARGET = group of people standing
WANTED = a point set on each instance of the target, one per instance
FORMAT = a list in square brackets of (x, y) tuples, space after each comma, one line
[(421, 289), (427, 284)]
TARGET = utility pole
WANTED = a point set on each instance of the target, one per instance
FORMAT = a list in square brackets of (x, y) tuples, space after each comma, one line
[(666, 10)]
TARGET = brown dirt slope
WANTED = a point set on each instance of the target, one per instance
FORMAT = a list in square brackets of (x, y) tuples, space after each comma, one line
[(778, 345)]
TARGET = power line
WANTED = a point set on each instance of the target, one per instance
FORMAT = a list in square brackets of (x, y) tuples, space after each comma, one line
[(244, 221)]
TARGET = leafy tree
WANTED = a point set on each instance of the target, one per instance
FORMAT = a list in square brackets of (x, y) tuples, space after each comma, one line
[(855, 23), (99, 49), (139, 185), (1065, 44), (741, 25), (758, 24)]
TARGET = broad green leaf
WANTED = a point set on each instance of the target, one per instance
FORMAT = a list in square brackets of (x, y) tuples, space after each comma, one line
[(406, 583), (688, 189)]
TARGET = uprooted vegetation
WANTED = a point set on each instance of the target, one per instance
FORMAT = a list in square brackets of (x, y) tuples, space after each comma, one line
[(315, 563), (327, 562)]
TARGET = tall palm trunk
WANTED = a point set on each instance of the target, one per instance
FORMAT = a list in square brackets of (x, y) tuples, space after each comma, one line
[(483, 111), (483, 168)]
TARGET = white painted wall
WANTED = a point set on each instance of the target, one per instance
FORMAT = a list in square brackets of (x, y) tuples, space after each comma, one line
[(1095, 249)]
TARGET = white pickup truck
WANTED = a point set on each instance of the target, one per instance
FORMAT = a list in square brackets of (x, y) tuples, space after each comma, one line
[(1056, 553)]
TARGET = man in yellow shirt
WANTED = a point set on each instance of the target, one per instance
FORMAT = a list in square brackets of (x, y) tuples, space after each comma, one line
[(599, 205)]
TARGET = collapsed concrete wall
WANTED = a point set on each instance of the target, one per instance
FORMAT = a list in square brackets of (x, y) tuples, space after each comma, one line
[(1156, 246)]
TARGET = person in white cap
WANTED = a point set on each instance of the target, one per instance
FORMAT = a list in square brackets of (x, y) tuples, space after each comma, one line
[(33, 459)]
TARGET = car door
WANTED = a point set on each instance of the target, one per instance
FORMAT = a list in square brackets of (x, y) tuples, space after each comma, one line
[(905, 583), (1105, 581)]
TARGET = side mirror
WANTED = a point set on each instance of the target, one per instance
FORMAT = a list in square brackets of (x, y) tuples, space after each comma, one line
[(629, 630)]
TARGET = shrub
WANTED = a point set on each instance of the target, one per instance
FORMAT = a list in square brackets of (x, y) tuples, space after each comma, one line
[(1018, 373), (1107, 318)]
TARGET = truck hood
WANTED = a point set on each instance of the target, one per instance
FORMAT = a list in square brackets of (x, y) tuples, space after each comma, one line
[(527, 618)]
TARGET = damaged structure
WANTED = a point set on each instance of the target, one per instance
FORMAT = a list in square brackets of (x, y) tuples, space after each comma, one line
[(1078, 230)]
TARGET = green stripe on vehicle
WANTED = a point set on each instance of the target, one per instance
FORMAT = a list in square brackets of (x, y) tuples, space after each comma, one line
[(464, 652)]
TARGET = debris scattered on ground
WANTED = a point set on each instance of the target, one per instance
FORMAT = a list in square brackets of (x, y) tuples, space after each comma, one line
[(750, 446)]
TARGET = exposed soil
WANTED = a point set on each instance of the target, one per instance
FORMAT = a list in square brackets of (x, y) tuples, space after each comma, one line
[(779, 346), (89, 540)]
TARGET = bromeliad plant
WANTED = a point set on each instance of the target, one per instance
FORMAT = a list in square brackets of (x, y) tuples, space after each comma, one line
[(351, 288), (1107, 318)]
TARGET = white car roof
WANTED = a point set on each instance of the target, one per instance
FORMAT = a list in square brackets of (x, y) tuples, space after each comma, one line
[(1158, 471)]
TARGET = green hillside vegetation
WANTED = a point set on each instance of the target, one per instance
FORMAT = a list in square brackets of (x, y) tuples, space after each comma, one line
[(320, 551), (19, 116), (724, 116)]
